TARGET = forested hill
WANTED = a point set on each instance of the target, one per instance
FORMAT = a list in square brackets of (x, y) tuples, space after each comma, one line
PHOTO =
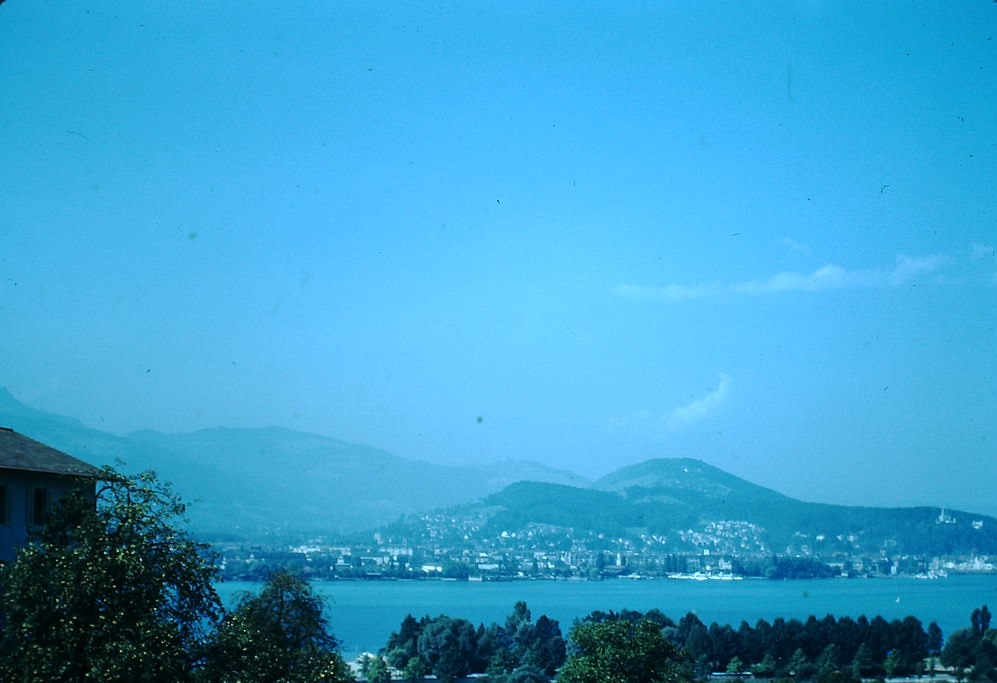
[(677, 497), (675, 475)]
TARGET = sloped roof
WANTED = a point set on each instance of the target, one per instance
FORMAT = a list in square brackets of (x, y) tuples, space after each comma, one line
[(18, 452)]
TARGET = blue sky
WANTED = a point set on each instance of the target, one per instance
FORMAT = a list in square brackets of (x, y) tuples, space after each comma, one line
[(759, 234)]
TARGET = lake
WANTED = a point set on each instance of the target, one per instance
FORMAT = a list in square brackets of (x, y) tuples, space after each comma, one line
[(362, 614)]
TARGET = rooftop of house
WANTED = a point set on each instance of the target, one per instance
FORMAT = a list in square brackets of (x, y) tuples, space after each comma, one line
[(18, 452)]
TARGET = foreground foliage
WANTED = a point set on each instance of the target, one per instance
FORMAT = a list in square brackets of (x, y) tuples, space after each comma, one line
[(519, 651), (120, 592), (972, 652), (620, 651), (116, 593), (278, 635)]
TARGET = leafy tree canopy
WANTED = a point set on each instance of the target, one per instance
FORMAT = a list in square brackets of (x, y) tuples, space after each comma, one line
[(618, 651), (113, 592), (278, 635), (449, 646)]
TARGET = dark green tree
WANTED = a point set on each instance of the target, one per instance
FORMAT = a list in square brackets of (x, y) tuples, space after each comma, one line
[(935, 638), (935, 643), (520, 617), (619, 651), (985, 657), (972, 651), (375, 669), (863, 664), (765, 668), (416, 669), (960, 651), (909, 646), (723, 645), (449, 646), (848, 636), (749, 647), (879, 637), (521, 645), (685, 627), (526, 674), (496, 649), (547, 652), (113, 592), (980, 620), (893, 662), (501, 663), (829, 661), (279, 635), (403, 645), (800, 667)]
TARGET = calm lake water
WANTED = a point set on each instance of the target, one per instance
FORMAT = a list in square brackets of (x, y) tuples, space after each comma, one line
[(363, 614)]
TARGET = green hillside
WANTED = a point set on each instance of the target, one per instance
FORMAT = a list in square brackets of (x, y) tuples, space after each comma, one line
[(668, 496)]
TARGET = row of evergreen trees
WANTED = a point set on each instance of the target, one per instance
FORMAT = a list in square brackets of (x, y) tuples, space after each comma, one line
[(827, 650), (801, 649)]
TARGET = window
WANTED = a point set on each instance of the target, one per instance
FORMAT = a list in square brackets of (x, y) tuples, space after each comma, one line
[(39, 506), (4, 517)]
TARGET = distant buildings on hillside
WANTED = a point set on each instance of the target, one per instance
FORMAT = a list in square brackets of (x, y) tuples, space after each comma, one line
[(737, 552)]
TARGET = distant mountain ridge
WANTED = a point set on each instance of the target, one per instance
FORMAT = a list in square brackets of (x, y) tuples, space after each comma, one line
[(252, 483), (257, 483)]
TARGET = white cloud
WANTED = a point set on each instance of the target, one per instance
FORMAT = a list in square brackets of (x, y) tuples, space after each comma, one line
[(795, 247), (829, 277), (669, 292), (700, 407), (909, 268), (656, 424), (983, 251)]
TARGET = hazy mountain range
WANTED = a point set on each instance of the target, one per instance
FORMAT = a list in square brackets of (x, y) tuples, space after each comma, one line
[(251, 483)]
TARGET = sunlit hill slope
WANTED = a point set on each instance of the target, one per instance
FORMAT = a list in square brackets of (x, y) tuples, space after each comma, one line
[(672, 496)]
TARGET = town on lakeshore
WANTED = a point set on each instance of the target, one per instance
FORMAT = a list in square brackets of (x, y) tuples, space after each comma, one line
[(450, 548)]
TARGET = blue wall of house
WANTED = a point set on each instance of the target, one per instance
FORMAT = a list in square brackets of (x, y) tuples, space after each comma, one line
[(17, 513)]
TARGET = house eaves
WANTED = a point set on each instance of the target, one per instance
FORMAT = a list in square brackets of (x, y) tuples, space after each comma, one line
[(18, 452)]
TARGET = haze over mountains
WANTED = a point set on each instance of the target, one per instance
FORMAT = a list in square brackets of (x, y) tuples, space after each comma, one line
[(249, 482), (255, 483)]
